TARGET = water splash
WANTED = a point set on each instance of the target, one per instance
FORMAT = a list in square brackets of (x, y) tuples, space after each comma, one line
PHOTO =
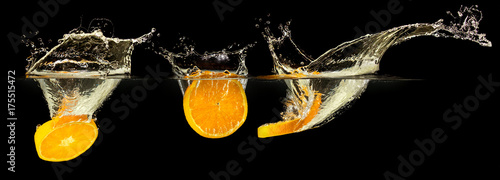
[(86, 54), (363, 55), (189, 62), (464, 25), (78, 96), (356, 57)]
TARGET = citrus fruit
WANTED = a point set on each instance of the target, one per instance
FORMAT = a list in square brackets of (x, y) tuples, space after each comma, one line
[(64, 138), (290, 126), (215, 108)]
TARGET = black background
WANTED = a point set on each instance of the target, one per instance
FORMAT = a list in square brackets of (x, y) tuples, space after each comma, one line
[(155, 141)]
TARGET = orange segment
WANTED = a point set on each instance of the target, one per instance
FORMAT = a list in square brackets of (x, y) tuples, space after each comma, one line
[(290, 126), (58, 141), (215, 108)]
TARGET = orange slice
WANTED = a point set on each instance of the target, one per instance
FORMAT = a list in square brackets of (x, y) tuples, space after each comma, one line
[(290, 126), (65, 138), (58, 121), (215, 108)]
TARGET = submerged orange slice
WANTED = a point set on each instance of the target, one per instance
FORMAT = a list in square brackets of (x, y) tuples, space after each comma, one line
[(290, 126), (215, 108), (65, 138)]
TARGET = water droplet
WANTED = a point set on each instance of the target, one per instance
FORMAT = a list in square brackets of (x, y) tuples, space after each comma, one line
[(464, 26)]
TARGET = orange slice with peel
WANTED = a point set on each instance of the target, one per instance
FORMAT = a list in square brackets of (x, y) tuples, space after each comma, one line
[(65, 138), (290, 126), (215, 108)]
